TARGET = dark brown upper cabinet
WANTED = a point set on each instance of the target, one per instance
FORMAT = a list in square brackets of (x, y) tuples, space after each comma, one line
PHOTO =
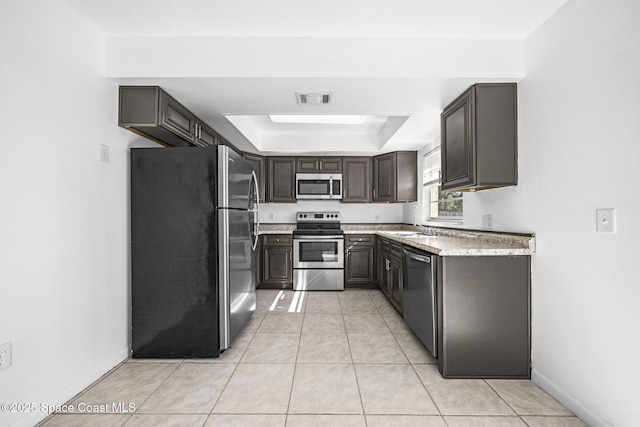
[(356, 179), (318, 164), (281, 175), (395, 177), (480, 138), (258, 164), (151, 112)]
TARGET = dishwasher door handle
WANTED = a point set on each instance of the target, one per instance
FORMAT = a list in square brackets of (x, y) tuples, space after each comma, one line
[(417, 257)]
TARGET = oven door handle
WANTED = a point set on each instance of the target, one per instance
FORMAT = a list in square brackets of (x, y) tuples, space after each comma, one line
[(314, 238)]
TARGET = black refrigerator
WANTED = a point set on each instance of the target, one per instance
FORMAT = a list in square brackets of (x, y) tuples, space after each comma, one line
[(194, 231)]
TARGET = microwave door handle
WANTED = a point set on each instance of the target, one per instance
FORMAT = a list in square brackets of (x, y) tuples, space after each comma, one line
[(331, 187)]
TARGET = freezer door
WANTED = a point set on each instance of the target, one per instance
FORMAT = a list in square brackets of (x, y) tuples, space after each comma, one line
[(235, 187), (237, 266), (173, 253)]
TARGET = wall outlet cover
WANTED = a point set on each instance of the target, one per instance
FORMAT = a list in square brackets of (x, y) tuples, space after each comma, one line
[(5, 355), (487, 221), (103, 152)]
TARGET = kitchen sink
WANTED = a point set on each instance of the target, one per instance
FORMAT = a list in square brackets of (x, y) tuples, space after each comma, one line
[(408, 234)]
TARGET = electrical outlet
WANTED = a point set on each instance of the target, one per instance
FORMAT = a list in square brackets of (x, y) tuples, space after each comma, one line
[(271, 216), (5, 355), (487, 221), (606, 220), (103, 152)]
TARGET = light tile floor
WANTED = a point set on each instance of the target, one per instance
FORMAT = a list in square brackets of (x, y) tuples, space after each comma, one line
[(314, 359)]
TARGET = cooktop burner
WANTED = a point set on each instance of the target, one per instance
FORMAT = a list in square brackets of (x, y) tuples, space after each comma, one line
[(318, 224)]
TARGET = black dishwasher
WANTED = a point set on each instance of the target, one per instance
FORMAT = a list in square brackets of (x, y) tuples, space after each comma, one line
[(419, 296)]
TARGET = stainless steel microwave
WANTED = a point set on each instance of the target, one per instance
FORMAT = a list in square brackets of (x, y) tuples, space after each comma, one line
[(319, 186)]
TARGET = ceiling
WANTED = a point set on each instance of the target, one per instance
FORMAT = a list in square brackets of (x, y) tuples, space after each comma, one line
[(234, 62)]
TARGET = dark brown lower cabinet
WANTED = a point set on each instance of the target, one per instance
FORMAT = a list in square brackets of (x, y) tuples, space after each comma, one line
[(277, 262), (484, 316), (360, 261), (390, 277)]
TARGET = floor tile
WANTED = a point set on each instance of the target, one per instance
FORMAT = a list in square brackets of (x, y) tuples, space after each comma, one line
[(265, 298), (393, 389), (356, 301), (231, 355), (323, 324), (413, 348), (255, 322), (405, 421), (396, 323), (243, 420), (461, 397), (272, 348), (129, 383), (166, 420), (257, 389), (325, 389), (280, 301), (192, 388), (484, 422), (375, 348), (324, 348), (365, 323), (326, 420), (553, 422), (323, 302), (526, 398), (281, 322), (82, 420)]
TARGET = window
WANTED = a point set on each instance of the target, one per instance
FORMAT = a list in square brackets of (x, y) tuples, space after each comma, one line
[(437, 205)]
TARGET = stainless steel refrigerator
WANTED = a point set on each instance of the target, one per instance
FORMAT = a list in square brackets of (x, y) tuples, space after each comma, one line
[(194, 231)]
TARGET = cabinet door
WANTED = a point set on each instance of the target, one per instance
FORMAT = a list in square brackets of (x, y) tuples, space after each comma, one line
[(356, 179), (204, 135), (458, 151), (384, 178), (330, 165), (258, 165), (176, 118), (395, 283), (281, 179), (277, 268), (360, 265), (307, 164)]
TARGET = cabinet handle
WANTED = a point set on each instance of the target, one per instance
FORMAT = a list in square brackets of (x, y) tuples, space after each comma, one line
[(374, 193), (319, 165)]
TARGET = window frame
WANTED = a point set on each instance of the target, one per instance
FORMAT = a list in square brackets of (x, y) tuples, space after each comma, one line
[(428, 184)]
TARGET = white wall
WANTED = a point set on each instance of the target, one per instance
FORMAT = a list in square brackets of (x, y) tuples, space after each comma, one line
[(355, 213), (579, 150), (64, 274)]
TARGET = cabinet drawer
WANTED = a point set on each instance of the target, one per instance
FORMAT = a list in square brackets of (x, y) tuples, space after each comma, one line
[(278, 240), (360, 239), (396, 250)]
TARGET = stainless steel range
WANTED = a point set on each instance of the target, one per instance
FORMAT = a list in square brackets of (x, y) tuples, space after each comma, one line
[(318, 252)]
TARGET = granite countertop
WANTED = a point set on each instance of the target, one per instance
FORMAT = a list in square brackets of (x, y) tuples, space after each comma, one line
[(441, 241)]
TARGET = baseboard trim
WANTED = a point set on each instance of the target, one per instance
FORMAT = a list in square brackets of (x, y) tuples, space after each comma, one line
[(71, 391), (582, 412)]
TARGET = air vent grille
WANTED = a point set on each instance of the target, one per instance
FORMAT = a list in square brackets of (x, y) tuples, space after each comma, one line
[(313, 98)]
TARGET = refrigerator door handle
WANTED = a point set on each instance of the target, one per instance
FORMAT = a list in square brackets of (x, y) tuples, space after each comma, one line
[(256, 211)]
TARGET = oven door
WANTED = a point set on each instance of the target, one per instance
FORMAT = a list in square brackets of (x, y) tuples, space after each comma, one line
[(318, 252)]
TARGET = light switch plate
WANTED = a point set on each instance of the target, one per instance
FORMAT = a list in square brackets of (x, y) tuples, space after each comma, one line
[(606, 220)]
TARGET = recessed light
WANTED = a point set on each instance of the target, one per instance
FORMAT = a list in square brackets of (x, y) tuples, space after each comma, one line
[(325, 119)]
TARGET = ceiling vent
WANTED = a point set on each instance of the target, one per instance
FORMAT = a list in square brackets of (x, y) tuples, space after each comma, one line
[(316, 98)]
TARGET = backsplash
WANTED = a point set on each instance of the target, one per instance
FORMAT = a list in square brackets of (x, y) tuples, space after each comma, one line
[(356, 213)]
